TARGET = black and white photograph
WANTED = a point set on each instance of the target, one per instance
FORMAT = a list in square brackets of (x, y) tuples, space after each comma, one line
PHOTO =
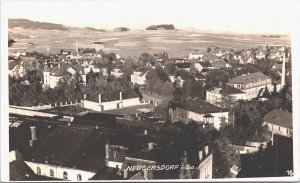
[(149, 90)]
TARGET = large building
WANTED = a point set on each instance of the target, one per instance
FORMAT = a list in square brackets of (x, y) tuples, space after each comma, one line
[(54, 150), (252, 84), (53, 75), (224, 96), (279, 122), (198, 111)]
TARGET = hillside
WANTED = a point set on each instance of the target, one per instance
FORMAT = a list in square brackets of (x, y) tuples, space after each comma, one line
[(161, 27), (28, 24)]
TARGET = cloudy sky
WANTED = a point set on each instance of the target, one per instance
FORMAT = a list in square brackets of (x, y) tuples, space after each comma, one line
[(240, 16)]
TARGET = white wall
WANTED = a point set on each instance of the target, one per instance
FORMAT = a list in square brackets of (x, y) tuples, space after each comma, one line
[(58, 171), (205, 168), (278, 129), (111, 104)]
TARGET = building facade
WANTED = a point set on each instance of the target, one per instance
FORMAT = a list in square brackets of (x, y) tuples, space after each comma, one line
[(252, 84)]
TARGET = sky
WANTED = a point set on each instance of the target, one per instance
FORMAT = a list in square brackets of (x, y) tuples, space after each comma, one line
[(238, 16)]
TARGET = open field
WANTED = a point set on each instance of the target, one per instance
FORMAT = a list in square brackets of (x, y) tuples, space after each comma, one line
[(133, 43)]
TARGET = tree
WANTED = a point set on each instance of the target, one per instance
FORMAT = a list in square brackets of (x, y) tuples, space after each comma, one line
[(208, 50), (224, 157), (167, 89), (151, 79), (170, 67)]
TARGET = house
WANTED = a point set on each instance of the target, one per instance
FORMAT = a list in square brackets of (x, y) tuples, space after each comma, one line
[(224, 96), (195, 55), (183, 66), (200, 66), (53, 75), (199, 111), (217, 64), (252, 84), (261, 54), (279, 122), (139, 77), (117, 73), (148, 159)]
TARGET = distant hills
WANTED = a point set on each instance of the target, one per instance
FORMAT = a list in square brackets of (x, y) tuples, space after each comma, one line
[(161, 27), (28, 24), (122, 29), (94, 29)]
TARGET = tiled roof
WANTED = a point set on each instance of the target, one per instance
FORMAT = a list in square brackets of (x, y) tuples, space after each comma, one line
[(280, 118), (249, 78), (200, 107), (230, 90)]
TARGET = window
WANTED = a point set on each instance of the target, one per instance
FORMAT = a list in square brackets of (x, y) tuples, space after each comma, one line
[(38, 170), (51, 173), (65, 175), (79, 177)]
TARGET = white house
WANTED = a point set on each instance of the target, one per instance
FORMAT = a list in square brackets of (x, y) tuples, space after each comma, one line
[(199, 111), (252, 84), (53, 75), (139, 77), (195, 55), (222, 96), (279, 122)]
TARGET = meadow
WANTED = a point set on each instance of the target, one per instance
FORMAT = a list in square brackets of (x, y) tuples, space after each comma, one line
[(132, 43)]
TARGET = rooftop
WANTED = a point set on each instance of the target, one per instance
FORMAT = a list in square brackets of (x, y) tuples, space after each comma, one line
[(249, 78), (280, 118), (200, 107)]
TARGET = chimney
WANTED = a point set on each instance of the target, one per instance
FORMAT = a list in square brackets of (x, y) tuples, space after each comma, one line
[(51, 66), (206, 150), (150, 145), (283, 71), (200, 155), (106, 151), (33, 133), (145, 132), (59, 65), (125, 173), (136, 115), (84, 96), (99, 98), (121, 96), (146, 174)]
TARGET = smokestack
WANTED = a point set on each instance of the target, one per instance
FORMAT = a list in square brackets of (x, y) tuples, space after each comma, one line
[(106, 151), (99, 98), (121, 96), (33, 133), (283, 72), (206, 150), (200, 155), (125, 173), (84, 96)]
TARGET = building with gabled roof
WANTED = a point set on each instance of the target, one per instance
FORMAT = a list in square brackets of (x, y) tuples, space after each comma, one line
[(252, 84), (224, 96), (199, 111), (279, 122), (52, 75)]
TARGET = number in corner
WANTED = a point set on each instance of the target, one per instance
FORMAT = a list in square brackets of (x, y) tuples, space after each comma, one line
[(290, 172)]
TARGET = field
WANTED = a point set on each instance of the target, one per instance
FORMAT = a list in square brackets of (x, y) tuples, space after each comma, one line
[(133, 43)]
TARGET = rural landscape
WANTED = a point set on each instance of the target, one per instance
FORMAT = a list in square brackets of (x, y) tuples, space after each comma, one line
[(89, 103)]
